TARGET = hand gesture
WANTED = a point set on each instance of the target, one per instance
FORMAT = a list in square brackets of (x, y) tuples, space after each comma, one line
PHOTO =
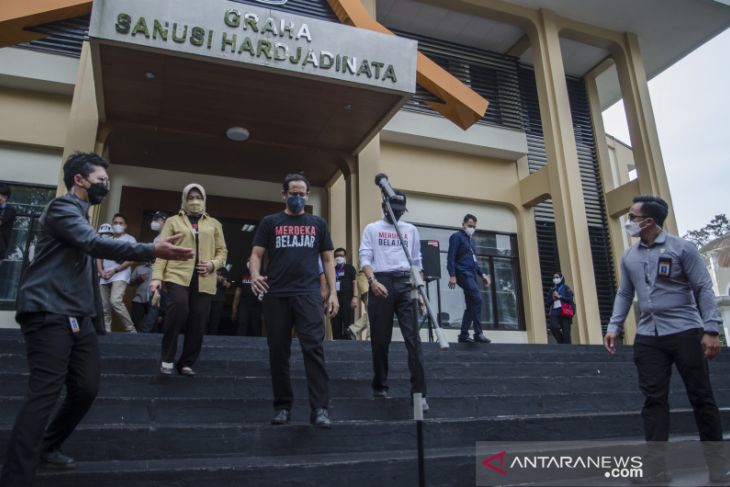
[(711, 345), (609, 341), (332, 306), (205, 268), (165, 249), (378, 289)]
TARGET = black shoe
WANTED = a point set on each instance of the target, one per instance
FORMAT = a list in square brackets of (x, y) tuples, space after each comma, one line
[(320, 418), (351, 335), (56, 459), (282, 416), (186, 372), (720, 477), (465, 340), (482, 339), (381, 394)]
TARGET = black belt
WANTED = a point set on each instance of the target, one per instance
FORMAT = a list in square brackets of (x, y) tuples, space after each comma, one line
[(394, 274)]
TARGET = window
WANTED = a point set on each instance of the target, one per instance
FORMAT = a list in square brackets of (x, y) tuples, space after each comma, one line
[(502, 301), (29, 202)]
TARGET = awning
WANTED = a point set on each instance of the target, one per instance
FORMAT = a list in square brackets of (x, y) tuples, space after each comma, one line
[(172, 76)]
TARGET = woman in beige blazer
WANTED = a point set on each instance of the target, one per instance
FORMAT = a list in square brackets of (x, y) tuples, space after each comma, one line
[(189, 285)]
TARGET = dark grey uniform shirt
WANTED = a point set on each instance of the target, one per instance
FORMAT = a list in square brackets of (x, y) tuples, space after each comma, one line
[(677, 301)]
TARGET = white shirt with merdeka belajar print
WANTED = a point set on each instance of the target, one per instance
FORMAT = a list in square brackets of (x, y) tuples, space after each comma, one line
[(381, 249)]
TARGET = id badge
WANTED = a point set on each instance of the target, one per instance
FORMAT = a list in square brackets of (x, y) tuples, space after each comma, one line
[(665, 267), (337, 286), (74, 324)]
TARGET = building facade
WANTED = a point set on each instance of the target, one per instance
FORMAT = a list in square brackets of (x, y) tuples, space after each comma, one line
[(153, 86)]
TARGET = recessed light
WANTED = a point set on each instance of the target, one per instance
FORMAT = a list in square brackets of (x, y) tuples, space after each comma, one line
[(150, 75), (239, 134), (348, 108)]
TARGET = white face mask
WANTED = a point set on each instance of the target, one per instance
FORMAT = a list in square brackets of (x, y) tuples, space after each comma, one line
[(470, 230), (556, 280), (633, 229), (155, 226), (118, 229), (339, 260)]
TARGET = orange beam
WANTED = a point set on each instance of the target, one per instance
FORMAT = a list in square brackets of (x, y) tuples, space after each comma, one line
[(460, 104), (18, 15)]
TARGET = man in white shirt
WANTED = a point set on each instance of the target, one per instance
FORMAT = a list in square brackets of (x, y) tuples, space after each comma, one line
[(114, 279), (387, 269)]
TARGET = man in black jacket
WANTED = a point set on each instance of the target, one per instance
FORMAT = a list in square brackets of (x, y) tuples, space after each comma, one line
[(7, 219), (58, 309)]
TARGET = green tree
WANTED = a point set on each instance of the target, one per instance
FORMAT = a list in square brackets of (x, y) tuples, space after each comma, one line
[(718, 227)]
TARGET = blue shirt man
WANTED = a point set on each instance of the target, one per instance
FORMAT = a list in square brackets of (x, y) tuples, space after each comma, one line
[(464, 270)]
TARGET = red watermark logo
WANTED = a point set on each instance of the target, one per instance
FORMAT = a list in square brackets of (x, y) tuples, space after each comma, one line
[(499, 456)]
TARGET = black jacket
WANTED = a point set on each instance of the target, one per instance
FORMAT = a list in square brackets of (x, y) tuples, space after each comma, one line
[(62, 277), (7, 219)]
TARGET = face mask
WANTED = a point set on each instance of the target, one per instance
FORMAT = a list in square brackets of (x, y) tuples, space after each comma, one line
[(295, 204), (633, 229), (470, 230), (339, 260), (397, 214), (194, 206), (557, 280), (117, 229), (155, 226), (97, 192)]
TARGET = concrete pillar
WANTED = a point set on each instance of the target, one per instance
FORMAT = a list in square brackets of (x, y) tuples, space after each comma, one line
[(369, 164), (615, 228), (533, 301), (652, 177), (564, 177), (83, 120)]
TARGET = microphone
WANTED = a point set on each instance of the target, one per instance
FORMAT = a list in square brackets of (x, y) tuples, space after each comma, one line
[(381, 180)]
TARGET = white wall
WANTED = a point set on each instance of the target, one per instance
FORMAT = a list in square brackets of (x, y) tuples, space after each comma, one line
[(20, 164), (449, 212), (143, 177)]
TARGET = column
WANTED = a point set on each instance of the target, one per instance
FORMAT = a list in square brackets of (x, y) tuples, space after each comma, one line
[(564, 177), (652, 177), (615, 228)]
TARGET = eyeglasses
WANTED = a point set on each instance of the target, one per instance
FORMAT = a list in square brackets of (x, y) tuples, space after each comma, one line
[(633, 217)]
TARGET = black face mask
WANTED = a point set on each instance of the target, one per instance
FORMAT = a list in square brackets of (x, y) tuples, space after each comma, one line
[(397, 214), (97, 192)]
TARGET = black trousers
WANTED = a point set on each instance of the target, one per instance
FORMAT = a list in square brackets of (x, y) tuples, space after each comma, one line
[(139, 313), (216, 313), (56, 357), (344, 316), (381, 312), (248, 319), (306, 316), (654, 356), (185, 309), (560, 327)]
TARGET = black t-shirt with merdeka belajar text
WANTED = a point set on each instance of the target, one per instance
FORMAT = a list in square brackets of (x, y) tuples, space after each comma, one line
[(293, 245)]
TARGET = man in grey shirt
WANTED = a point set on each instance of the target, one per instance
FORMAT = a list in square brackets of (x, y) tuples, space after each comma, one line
[(679, 324)]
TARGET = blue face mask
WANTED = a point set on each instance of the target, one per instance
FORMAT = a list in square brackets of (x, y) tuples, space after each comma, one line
[(295, 204)]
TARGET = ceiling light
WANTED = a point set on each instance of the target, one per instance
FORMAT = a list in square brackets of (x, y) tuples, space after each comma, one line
[(149, 75), (239, 134)]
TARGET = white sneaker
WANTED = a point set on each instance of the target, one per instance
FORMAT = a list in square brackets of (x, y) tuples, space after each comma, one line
[(166, 368)]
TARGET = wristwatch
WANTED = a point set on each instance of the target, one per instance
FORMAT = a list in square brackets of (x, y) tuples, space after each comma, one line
[(712, 333), (371, 279)]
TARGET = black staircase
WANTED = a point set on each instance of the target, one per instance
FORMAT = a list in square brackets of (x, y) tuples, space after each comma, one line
[(214, 429)]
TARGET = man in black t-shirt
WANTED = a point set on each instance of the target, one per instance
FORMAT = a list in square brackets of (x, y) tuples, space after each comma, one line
[(293, 242), (346, 287)]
